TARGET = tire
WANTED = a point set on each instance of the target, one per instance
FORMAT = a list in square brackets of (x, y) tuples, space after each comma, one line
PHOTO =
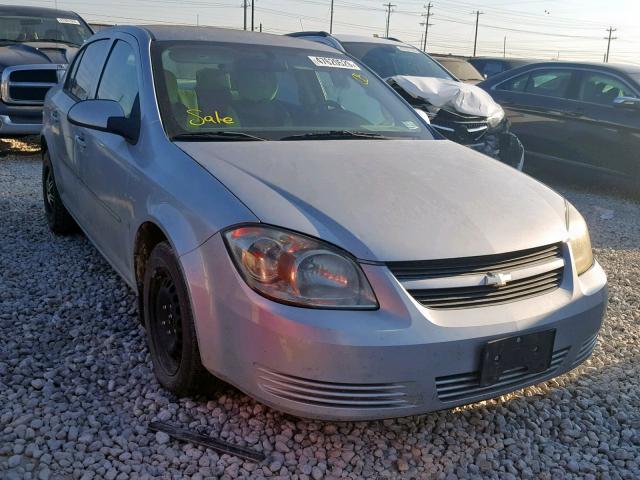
[(168, 320), (59, 219)]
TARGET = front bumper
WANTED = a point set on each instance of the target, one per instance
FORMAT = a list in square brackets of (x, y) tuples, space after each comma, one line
[(402, 359), (10, 127)]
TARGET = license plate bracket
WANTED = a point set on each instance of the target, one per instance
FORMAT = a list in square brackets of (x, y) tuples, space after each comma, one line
[(532, 351)]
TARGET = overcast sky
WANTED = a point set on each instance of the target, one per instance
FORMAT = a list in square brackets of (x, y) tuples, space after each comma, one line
[(570, 29)]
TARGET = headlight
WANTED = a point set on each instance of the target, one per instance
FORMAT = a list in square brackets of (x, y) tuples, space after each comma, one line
[(496, 117), (298, 270), (579, 240)]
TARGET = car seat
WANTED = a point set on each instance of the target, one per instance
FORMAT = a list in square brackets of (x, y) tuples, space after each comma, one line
[(257, 104)]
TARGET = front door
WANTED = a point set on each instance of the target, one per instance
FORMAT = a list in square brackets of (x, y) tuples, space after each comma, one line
[(107, 159)]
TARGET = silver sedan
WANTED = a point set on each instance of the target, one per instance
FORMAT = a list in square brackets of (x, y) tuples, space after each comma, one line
[(293, 227)]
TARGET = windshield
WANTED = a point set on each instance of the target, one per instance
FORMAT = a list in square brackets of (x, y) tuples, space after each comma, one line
[(27, 28), (463, 70), (273, 93), (391, 60)]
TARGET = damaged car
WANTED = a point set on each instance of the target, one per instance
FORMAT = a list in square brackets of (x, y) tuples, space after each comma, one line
[(36, 45), (460, 112), (293, 227)]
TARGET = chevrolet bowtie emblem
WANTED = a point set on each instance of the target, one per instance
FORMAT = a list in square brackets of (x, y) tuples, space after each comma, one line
[(497, 279)]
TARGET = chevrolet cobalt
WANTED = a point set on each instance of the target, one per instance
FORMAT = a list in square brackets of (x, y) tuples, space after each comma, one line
[(293, 227)]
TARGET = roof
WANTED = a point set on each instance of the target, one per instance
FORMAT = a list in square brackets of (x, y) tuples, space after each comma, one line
[(365, 39), (616, 67), (215, 34), (34, 11)]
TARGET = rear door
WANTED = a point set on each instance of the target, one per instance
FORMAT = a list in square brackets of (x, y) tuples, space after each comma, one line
[(609, 134), (79, 85), (538, 104)]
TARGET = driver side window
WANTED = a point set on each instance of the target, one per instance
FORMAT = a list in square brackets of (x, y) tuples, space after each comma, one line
[(84, 74), (119, 80)]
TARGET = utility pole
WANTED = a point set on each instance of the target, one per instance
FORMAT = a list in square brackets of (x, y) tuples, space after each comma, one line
[(426, 26), (244, 8), (504, 47), (252, 13), (389, 7), (475, 40), (260, 27), (609, 38), (331, 20)]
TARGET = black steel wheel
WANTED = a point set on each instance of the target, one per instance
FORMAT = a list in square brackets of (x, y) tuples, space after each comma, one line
[(58, 218), (169, 323)]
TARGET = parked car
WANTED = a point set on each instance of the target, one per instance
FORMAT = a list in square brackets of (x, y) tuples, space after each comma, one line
[(572, 115), (462, 113), (36, 44), (294, 228), (459, 68), (490, 66)]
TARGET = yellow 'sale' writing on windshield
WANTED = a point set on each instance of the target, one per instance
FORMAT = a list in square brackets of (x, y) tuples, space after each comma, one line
[(198, 119)]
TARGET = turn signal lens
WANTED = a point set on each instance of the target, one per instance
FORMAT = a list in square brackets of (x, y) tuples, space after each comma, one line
[(298, 270)]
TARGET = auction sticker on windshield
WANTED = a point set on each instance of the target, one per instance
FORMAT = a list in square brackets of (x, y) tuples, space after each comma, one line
[(334, 62)]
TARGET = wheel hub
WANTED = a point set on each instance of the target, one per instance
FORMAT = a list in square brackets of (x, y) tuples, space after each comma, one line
[(167, 322)]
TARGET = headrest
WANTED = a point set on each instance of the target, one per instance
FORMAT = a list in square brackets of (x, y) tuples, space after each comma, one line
[(256, 88), (212, 79)]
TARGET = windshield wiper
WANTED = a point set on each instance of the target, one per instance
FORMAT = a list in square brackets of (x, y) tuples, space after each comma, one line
[(222, 136), (337, 135)]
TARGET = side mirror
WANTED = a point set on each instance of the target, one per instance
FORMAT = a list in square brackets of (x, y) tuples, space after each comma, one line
[(423, 115), (104, 116), (627, 102)]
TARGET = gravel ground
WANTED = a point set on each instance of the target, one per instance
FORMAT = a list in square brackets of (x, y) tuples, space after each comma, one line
[(77, 390)]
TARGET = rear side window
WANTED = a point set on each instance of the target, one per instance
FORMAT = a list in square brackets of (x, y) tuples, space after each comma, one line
[(549, 83), (517, 84), (602, 89), (120, 78), (492, 68), (83, 78)]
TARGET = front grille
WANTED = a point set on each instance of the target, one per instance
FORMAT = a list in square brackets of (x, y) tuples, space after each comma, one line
[(467, 385), (334, 395), (480, 295), (485, 295), (451, 267), (28, 84)]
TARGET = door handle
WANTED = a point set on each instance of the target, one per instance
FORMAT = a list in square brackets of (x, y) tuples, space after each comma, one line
[(80, 141)]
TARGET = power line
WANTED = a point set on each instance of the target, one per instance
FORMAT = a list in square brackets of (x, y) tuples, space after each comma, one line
[(389, 7), (475, 41)]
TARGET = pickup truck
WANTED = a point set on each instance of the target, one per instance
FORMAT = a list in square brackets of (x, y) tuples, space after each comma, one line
[(36, 45)]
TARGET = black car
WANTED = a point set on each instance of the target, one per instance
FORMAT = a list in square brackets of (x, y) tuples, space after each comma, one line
[(576, 114), (36, 45), (490, 66)]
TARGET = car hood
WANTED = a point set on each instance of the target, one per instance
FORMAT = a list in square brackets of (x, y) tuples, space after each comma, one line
[(451, 95), (36, 53), (388, 200)]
